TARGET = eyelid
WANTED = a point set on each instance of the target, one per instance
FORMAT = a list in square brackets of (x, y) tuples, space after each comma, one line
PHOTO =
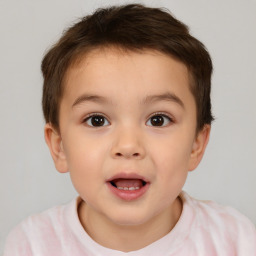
[(162, 114), (94, 114), (165, 115)]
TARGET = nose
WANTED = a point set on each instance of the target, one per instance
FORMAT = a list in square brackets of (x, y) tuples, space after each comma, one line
[(128, 143)]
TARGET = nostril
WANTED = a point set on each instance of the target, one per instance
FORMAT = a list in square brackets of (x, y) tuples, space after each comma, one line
[(127, 155)]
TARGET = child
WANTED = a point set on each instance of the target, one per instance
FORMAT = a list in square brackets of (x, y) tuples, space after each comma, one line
[(126, 101)]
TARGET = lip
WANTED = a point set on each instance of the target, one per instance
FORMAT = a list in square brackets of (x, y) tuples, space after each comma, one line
[(124, 175), (128, 195)]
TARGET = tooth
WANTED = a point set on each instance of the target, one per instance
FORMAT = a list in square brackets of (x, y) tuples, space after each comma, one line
[(126, 188)]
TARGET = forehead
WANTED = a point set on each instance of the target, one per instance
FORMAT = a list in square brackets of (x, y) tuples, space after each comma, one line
[(100, 65)]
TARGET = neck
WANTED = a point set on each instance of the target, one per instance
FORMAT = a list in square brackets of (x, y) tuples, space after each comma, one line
[(128, 237)]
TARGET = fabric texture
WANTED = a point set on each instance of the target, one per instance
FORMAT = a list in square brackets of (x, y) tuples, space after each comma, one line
[(204, 228)]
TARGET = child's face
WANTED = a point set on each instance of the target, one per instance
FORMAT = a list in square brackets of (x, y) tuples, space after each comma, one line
[(127, 134)]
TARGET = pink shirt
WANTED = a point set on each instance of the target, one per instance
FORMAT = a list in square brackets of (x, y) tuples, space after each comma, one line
[(204, 228)]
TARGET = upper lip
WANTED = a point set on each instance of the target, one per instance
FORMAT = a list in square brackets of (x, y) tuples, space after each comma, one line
[(124, 175)]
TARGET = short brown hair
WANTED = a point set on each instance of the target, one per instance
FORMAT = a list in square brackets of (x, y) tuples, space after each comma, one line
[(130, 27)]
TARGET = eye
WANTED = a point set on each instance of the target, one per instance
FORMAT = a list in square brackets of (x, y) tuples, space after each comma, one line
[(159, 120), (96, 121)]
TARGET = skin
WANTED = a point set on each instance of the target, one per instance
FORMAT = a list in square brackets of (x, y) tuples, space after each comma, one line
[(126, 85)]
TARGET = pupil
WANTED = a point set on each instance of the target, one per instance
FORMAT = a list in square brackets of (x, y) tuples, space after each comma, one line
[(157, 120), (97, 120)]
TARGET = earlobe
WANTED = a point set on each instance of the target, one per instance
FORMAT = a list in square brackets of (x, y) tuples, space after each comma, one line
[(199, 146), (54, 141)]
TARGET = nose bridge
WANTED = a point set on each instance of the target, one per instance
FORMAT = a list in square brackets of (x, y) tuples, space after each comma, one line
[(128, 142)]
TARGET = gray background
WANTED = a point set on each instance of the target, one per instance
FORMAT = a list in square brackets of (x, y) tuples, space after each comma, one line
[(28, 180)]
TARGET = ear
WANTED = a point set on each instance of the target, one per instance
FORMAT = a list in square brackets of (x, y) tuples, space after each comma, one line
[(54, 142), (199, 146)]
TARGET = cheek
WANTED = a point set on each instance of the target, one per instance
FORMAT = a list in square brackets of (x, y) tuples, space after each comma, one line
[(172, 162), (173, 153), (82, 150), (85, 166), (85, 160), (173, 171)]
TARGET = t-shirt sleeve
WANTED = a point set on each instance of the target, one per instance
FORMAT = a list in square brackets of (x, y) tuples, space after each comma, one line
[(229, 229), (17, 243), (246, 235)]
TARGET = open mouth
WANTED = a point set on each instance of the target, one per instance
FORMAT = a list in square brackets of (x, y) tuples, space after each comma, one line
[(128, 184)]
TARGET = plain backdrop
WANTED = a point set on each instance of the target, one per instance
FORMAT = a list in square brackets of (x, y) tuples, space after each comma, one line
[(29, 182)]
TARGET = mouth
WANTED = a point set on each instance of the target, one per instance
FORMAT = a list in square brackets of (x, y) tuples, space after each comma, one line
[(128, 186)]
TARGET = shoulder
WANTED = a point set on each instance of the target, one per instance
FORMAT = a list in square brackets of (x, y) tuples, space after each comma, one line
[(223, 225), (38, 230), (42, 222), (211, 212)]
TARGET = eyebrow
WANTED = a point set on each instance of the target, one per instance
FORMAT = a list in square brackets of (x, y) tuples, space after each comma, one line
[(87, 98), (149, 99), (168, 96)]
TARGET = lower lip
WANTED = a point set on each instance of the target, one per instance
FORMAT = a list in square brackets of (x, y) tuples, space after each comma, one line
[(128, 195)]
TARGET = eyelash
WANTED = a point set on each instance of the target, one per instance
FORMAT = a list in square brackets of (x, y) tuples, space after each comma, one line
[(162, 114), (85, 120)]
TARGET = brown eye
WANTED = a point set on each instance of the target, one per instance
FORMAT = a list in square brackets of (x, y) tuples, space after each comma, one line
[(159, 120), (97, 121)]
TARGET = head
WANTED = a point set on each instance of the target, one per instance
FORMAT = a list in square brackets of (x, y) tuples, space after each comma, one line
[(127, 106), (130, 28)]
